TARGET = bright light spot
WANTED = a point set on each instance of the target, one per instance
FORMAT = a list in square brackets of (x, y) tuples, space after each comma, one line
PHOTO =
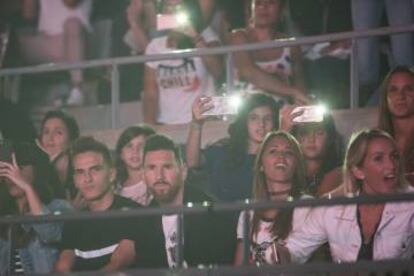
[(182, 18), (235, 101), (322, 109), (190, 204)]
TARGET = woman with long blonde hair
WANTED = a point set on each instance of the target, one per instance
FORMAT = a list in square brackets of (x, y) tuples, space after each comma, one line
[(373, 166), (279, 175)]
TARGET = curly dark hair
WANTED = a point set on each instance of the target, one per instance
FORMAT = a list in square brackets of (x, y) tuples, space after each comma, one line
[(68, 120), (238, 133)]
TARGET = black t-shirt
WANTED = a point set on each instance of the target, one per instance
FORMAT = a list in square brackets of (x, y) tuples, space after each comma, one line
[(94, 241)]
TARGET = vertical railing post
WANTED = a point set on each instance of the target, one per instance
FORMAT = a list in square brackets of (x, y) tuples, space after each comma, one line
[(354, 80), (180, 240), (246, 239), (10, 253), (229, 73), (115, 109)]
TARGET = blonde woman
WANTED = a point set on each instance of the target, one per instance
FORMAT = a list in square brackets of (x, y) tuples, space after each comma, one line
[(279, 175), (363, 232)]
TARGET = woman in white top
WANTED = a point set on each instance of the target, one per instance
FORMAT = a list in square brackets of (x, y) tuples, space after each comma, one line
[(279, 175), (129, 150), (277, 71), (363, 232)]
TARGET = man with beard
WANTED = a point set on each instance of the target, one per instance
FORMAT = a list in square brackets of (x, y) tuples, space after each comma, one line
[(106, 244), (206, 236)]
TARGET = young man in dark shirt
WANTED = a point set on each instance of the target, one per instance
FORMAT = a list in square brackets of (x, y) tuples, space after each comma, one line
[(105, 244), (208, 238)]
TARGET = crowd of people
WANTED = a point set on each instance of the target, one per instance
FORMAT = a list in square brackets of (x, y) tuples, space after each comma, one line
[(269, 155), (43, 31)]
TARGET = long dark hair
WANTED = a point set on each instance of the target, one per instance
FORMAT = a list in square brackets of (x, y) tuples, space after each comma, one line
[(334, 148), (385, 116), (126, 136), (283, 222), (68, 120), (238, 133), (45, 183)]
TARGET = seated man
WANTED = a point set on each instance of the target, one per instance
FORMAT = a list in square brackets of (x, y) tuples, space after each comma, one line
[(207, 237), (107, 244)]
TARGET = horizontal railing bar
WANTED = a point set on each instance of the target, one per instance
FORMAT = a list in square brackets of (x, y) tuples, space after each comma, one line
[(179, 54), (317, 268), (216, 207)]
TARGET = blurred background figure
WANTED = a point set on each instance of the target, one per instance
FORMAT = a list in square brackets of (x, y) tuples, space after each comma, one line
[(368, 14), (171, 86), (396, 113), (277, 71), (326, 64), (60, 37)]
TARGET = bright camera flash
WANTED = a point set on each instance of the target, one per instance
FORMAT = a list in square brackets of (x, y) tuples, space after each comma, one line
[(322, 109), (182, 18), (235, 101)]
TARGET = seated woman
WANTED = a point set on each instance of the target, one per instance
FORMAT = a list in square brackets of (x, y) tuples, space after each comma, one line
[(171, 86), (357, 232), (321, 148), (58, 130), (129, 154), (279, 175), (26, 189), (277, 71), (396, 114), (229, 162)]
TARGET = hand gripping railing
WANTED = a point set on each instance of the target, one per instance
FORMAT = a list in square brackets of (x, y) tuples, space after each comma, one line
[(392, 265), (227, 50)]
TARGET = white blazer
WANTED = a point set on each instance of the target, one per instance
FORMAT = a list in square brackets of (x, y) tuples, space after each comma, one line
[(338, 225)]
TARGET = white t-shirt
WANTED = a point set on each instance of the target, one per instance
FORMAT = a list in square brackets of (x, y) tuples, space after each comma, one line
[(179, 81), (137, 192), (54, 13), (169, 226), (262, 245)]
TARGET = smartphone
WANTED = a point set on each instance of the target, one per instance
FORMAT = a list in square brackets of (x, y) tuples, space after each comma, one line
[(311, 114), (6, 151), (222, 105), (171, 21)]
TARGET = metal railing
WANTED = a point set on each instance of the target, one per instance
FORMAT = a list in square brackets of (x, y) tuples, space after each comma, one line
[(209, 207), (114, 63)]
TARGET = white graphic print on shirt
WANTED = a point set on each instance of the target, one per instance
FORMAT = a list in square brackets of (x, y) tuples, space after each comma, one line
[(262, 246), (183, 76), (169, 226)]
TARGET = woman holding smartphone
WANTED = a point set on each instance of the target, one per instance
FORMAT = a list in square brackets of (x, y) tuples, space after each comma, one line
[(279, 174), (228, 163), (26, 188)]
